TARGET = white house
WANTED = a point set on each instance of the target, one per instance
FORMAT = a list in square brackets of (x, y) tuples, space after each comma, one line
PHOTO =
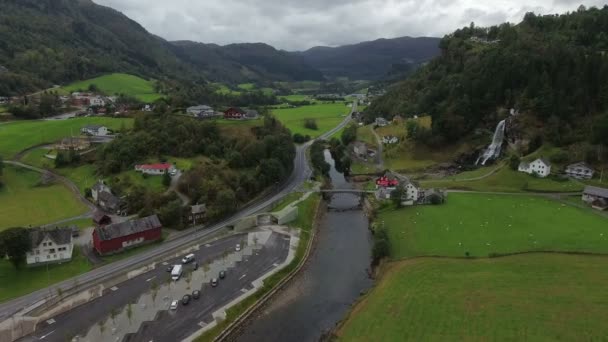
[(540, 166), (97, 101), (381, 122), (155, 169), (50, 245), (390, 139), (580, 171), (95, 130), (411, 192), (200, 111)]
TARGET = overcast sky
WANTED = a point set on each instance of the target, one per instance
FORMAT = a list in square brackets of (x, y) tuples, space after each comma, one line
[(301, 24)]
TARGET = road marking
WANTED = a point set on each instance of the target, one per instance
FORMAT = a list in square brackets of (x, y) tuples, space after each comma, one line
[(202, 324), (150, 278), (165, 263), (244, 290), (44, 336), (113, 288), (243, 276), (50, 321), (275, 264), (208, 245)]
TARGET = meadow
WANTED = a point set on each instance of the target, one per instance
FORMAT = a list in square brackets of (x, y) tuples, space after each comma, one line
[(114, 84), (327, 116), (23, 202), (19, 135), (537, 297), (483, 224)]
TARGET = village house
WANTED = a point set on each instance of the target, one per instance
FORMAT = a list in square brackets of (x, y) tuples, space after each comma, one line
[(49, 245), (596, 197), (200, 110), (540, 167), (197, 213), (390, 139), (95, 130), (381, 122), (147, 108), (101, 219), (73, 144), (360, 149), (155, 169), (234, 113), (97, 101), (387, 182), (116, 237), (580, 171), (106, 200)]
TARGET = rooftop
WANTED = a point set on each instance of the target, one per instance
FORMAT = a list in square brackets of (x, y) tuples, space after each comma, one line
[(126, 228), (158, 166), (59, 235), (596, 191)]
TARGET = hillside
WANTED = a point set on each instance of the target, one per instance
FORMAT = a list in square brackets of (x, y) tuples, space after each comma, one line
[(372, 60), (551, 68)]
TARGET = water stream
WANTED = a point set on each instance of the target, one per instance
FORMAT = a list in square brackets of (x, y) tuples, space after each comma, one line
[(493, 151)]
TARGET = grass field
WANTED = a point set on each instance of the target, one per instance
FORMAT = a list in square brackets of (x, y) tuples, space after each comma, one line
[(246, 86), (327, 116), (153, 183), (118, 84), (540, 297), (23, 202), (508, 180), (18, 135), (482, 224), (365, 134), (223, 89), (296, 97), (15, 283)]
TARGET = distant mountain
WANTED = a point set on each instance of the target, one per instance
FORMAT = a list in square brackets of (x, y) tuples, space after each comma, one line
[(372, 60)]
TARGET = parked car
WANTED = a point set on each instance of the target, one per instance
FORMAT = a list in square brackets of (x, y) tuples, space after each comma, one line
[(222, 274), (238, 247), (186, 299), (196, 294), (188, 258), (214, 282), (173, 305)]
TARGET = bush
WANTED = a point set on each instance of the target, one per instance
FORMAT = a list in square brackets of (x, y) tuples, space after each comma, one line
[(311, 124), (559, 157), (299, 138), (514, 162)]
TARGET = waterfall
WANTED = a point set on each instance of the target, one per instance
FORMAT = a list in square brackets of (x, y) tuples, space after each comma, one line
[(493, 151)]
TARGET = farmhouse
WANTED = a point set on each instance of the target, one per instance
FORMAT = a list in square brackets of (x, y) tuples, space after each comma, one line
[(387, 182), (580, 171), (381, 122), (116, 237), (540, 167), (596, 197), (155, 169), (200, 111), (234, 113), (197, 213), (49, 245), (96, 130), (106, 200), (97, 101)]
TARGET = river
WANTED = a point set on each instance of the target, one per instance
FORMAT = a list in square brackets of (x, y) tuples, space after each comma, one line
[(336, 274)]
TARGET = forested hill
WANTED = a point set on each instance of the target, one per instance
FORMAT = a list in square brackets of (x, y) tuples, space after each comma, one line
[(554, 68), (378, 59)]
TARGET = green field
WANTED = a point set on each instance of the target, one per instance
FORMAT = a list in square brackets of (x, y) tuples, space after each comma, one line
[(223, 89), (23, 202), (114, 84), (482, 224), (18, 135), (246, 86), (153, 183), (539, 297), (295, 98), (365, 134), (508, 180), (327, 116)]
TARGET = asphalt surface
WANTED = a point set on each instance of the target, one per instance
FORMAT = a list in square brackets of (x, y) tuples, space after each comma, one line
[(169, 325), (300, 174)]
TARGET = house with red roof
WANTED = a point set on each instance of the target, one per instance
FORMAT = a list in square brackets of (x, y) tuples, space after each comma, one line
[(116, 237), (155, 169), (386, 182), (234, 113)]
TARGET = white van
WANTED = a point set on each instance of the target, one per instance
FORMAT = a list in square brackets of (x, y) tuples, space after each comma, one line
[(176, 272), (188, 258)]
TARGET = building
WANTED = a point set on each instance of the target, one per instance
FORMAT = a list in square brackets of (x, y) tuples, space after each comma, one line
[(106, 200), (386, 182), (390, 139), (99, 187), (580, 171), (540, 167), (360, 149), (251, 114), (101, 219), (197, 213), (155, 169), (596, 197), (97, 101), (412, 192), (73, 143), (381, 122), (96, 130), (116, 237), (234, 113), (200, 111), (50, 245)]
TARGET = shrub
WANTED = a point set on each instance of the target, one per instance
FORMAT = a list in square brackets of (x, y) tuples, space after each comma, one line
[(311, 124)]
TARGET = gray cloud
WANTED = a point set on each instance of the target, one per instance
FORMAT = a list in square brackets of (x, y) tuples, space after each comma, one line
[(298, 24)]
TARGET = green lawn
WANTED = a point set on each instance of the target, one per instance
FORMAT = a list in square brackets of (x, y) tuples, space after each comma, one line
[(327, 116), (223, 89), (365, 134), (287, 200), (18, 135), (295, 97), (508, 180), (246, 86), (23, 202), (118, 84), (153, 183), (540, 297), (482, 224), (15, 283)]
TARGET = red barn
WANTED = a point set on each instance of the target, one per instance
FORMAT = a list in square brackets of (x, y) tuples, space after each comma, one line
[(385, 182), (116, 237), (234, 113)]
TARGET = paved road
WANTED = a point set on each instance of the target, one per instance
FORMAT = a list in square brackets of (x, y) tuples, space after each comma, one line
[(300, 174), (174, 325), (379, 158)]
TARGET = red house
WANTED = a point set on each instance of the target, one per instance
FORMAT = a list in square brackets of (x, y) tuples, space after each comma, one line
[(115, 237), (385, 182), (234, 113)]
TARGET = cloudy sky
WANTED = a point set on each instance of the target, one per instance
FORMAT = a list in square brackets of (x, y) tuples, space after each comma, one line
[(301, 24)]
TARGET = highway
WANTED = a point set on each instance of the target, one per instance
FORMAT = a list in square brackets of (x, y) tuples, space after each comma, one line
[(300, 174)]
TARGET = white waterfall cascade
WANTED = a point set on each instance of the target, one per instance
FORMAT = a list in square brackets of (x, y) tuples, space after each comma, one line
[(493, 151)]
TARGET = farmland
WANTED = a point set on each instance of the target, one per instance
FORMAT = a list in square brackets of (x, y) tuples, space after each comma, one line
[(114, 84), (537, 297), (19, 135), (24, 202), (327, 116)]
